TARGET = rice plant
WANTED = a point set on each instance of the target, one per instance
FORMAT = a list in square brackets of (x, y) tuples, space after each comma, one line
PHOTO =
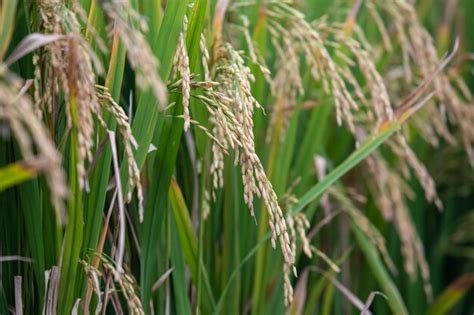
[(236, 157)]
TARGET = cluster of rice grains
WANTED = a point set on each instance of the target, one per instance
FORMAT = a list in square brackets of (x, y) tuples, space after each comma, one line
[(232, 118), (126, 282), (181, 64), (231, 105), (66, 66), (235, 78), (69, 70)]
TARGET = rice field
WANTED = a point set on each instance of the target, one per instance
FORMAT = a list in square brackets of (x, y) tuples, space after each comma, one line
[(236, 157)]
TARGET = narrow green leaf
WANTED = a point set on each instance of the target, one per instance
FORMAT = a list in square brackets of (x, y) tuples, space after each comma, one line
[(151, 9), (312, 143), (185, 228), (7, 24), (187, 238), (285, 155), (231, 229), (178, 276), (236, 271), (30, 200), (383, 278)]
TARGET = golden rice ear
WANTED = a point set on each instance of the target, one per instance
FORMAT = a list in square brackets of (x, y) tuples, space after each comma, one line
[(181, 64), (129, 142), (302, 224), (380, 100), (231, 107), (236, 117), (205, 59), (125, 279)]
